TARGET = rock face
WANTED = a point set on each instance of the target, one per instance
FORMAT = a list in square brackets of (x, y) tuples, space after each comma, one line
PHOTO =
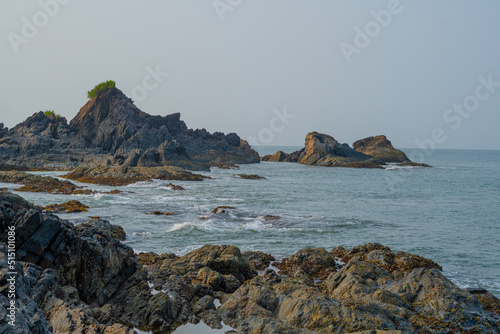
[(379, 147), (111, 130)]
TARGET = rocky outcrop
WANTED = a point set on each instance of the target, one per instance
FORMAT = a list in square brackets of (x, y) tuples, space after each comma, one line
[(122, 176), (111, 130), (323, 150), (379, 147)]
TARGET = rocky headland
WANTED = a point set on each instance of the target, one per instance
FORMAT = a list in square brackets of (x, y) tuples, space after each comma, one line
[(109, 130), (84, 279), (324, 150)]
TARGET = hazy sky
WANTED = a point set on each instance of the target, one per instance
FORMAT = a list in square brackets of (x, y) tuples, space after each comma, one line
[(232, 62)]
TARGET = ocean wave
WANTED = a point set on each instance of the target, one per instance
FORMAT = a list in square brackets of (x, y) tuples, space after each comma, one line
[(180, 226)]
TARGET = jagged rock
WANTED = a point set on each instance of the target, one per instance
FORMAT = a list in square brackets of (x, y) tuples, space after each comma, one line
[(316, 263), (259, 260), (37, 183), (110, 130), (379, 147)]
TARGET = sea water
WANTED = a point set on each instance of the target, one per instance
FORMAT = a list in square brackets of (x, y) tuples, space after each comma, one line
[(449, 213)]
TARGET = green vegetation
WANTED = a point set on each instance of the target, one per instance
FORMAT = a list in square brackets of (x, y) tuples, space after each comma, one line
[(49, 113), (102, 87)]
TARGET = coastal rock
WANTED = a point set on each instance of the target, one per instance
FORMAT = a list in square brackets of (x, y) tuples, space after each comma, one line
[(222, 209), (110, 130), (316, 263), (250, 177), (122, 176), (278, 156), (413, 164), (66, 207), (174, 187), (258, 260), (380, 148)]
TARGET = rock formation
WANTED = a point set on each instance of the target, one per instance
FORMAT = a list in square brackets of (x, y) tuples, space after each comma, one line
[(111, 130), (82, 279), (379, 147), (323, 150)]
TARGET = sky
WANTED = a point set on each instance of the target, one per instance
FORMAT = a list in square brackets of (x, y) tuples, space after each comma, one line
[(424, 73)]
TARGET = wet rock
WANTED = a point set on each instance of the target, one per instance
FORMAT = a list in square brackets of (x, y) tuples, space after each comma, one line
[(413, 164), (250, 177), (222, 209), (278, 156), (226, 260), (66, 207), (379, 147), (122, 176), (317, 263), (160, 213), (174, 187), (269, 218), (204, 304)]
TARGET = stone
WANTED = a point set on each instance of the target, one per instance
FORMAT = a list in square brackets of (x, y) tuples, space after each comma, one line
[(380, 148), (66, 207)]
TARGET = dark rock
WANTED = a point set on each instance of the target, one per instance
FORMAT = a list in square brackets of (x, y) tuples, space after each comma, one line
[(110, 129), (259, 260), (174, 187), (122, 176), (222, 209), (413, 164), (250, 177)]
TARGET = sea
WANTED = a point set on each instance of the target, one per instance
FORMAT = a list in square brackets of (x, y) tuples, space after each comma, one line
[(449, 213)]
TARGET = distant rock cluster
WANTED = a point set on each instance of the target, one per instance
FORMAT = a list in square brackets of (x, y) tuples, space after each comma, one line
[(324, 150)]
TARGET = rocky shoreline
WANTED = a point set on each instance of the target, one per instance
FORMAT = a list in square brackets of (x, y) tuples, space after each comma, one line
[(83, 279)]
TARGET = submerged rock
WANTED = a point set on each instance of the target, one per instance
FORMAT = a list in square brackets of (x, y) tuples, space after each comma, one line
[(37, 183), (122, 176), (250, 177)]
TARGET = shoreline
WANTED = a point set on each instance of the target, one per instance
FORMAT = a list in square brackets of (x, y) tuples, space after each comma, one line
[(370, 283)]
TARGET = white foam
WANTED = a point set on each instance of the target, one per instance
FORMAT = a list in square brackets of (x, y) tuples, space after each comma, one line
[(179, 226)]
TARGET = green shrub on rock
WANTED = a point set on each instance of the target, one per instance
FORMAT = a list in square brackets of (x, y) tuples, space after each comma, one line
[(99, 88)]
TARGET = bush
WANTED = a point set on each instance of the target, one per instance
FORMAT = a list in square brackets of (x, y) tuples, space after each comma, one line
[(49, 113), (102, 87)]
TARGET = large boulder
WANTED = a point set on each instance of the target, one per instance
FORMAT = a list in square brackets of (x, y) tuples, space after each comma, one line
[(379, 147)]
